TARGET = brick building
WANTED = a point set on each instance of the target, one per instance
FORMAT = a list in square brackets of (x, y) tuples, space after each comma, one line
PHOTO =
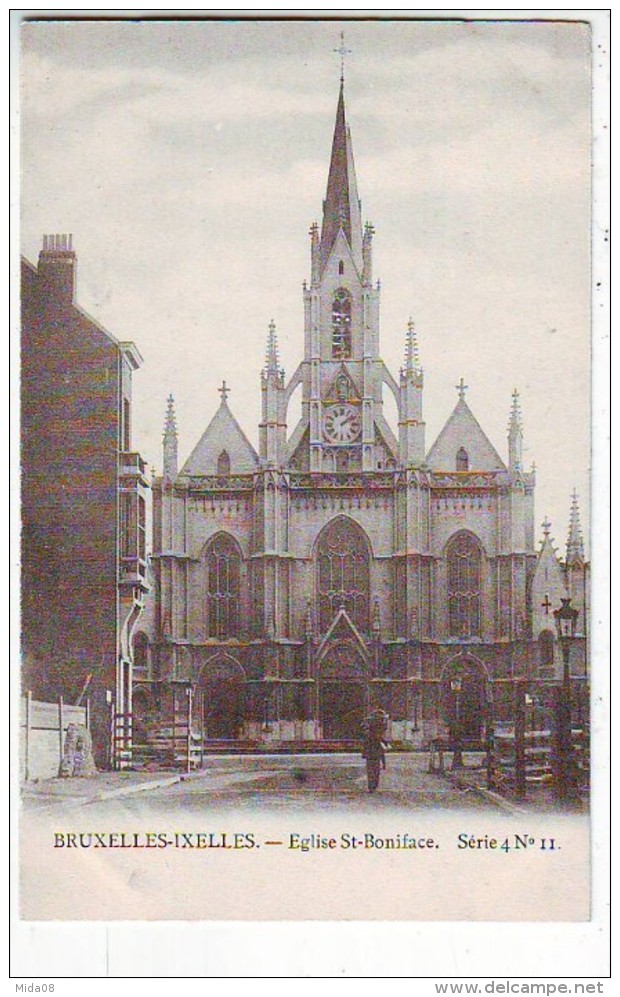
[(83, 499)]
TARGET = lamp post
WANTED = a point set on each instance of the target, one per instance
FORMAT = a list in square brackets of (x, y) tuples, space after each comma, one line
[(456, 686), (567, 779)]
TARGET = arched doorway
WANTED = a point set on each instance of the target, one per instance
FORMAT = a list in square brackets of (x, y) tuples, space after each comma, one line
[(343, 692), (221, 699), (465, 698)]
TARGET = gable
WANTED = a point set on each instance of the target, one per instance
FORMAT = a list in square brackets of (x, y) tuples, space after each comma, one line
[(222, 433), (548, 588), (463, 430)]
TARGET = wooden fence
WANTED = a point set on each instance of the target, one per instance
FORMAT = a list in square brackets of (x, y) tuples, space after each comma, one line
[(42, 730)]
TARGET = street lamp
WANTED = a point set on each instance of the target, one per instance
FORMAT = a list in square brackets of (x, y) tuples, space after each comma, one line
[(456, 686), (567, 777)]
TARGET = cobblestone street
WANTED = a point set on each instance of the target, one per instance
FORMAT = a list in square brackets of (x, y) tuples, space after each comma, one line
[(272, 782)]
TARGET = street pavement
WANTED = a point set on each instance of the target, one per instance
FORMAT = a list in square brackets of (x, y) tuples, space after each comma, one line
[(267, 782)]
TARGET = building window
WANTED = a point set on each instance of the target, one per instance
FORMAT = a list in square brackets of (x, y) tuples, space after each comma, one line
[(223, 463), (223, 587), (462, 460), (126, 425), (341, 268), (341, 325), (140, 650), (546, 645), (464, 558), (141, 528), (343, 573)]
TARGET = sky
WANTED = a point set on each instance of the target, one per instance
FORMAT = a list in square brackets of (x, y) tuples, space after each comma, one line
[(189, 158)]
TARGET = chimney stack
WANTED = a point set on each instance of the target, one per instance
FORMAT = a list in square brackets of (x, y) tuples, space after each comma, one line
[(57, 267)]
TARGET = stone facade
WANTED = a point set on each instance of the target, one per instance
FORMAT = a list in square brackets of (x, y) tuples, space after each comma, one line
[(344, 566)]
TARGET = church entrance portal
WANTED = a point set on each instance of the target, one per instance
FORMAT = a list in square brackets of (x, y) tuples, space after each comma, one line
[(342, 709), (464, 694), (221, 689), (343, 698)]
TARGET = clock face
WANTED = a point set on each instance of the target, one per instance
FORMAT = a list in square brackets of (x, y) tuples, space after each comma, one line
[(342, 423)]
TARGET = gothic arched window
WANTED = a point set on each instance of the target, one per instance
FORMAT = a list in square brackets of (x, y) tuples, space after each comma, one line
[(223, 463), (343, 573), (462, 460), (341, 325), (223, 562), (464, 558)]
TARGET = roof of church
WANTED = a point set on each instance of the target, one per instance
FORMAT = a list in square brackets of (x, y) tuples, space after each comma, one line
[(341, 207), (463, 430), (222, 433)]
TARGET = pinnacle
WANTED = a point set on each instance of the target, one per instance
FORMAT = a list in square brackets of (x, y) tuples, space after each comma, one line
[(170, 425), (412, 351), (272, 359), (574, 543), (515, 413)]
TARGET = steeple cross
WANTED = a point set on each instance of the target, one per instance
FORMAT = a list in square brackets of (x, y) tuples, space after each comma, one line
[(342, 52), (224, 392), (546, 605), (546, 525), (461, 387)]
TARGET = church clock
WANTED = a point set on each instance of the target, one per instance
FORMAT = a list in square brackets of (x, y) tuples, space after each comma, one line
[(342, 423)]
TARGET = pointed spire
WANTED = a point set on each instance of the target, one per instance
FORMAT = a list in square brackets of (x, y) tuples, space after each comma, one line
[(341, 207), (574, 544), (515, 435), (515, 413), (412, 352), (272, 360), (170, 447)]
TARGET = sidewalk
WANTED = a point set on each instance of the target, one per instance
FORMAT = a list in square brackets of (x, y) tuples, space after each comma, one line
[(103, 786)]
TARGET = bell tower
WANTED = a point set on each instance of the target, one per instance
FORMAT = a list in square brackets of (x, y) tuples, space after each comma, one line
[(342, 372)]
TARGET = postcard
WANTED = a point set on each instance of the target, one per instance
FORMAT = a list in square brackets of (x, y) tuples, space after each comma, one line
[(306, 450)]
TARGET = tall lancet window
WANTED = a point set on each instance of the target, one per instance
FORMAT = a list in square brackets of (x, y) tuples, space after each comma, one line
[(341, 325), (462, 460), (464, 557), (343, 573), (223, 463), (223, 561)]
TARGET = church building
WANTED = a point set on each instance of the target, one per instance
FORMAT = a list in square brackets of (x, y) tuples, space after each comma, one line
[(347, 564)]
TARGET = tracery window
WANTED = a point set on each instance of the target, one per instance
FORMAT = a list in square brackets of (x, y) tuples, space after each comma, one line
[(343, 573), (464, 586), (223, 463), (462, 460), (223, 587), (341, 325)]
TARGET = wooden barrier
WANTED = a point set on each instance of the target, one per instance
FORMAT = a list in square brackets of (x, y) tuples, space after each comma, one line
[(42, 732)]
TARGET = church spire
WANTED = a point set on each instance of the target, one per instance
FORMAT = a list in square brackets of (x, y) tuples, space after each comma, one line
[(574, 544), (170, 441), (341, 207)]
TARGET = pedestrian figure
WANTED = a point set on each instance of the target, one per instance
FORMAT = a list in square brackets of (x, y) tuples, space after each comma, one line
[(374, 729)]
